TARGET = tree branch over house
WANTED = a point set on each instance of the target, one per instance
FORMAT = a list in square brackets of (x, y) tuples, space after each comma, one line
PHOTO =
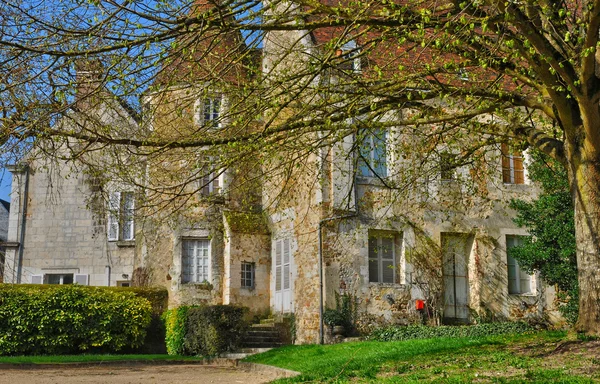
[(442, 78)]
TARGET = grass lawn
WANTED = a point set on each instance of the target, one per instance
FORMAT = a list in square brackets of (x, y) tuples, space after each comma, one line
[(91, 358), (543, 357)]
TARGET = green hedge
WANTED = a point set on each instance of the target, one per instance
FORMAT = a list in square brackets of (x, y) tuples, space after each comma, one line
[(61, 319), (204, 330), (399, 333)]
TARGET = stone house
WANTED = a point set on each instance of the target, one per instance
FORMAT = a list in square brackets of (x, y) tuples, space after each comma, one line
[(335, 229)]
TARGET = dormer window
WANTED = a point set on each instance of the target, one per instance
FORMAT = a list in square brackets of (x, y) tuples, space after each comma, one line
[(350, 54)]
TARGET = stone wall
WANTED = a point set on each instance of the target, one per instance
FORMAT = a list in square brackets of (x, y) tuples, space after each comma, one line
[(62, 235)]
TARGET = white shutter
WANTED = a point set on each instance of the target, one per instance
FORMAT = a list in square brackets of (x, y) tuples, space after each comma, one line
[(114, 201), (278, 271), (286, 264), (80, 279), (37, 279)]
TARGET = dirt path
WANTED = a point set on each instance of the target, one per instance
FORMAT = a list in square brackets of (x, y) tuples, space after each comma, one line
[(135, 374)]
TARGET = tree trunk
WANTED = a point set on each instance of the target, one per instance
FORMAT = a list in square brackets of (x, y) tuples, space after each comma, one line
[(585, 187)]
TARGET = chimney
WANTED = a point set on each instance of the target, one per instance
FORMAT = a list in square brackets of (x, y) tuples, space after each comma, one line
[(89, 76)]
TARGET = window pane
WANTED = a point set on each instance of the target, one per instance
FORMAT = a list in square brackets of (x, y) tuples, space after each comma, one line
[(128, 206), (387, 248), (373, 153), (513, 286), (373, 271), (379, 153), (387, 271)]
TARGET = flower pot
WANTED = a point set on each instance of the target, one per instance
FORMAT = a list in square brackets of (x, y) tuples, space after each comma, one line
[(338, 330)]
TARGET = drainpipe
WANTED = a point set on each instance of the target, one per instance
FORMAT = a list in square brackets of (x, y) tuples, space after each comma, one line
[(321, 223), (108, 270), (23, 221)]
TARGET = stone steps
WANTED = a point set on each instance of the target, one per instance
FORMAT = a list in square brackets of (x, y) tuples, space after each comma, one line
[(266, 334)]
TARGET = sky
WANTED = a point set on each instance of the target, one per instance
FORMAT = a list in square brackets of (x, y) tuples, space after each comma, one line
[(5, 181)]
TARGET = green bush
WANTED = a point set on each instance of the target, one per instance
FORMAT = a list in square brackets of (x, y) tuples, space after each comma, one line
[(204, 330), (70, 319), (175, 320), (399, 333)]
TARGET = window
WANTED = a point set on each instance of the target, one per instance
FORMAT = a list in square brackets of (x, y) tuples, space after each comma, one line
[(60, 278), (210, 112), (56, 278), (247, 275), (447, 166), (211, 184), (195, 258), (513, 171), (519, 282), (212, 179), (123, 283), (373, 154), (350, 54), (120, 216), (382, 258)]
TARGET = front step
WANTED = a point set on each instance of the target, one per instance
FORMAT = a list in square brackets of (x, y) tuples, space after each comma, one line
[(244, 352), (267, 334)]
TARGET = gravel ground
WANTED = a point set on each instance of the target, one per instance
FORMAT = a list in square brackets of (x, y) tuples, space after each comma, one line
[(135, 374)]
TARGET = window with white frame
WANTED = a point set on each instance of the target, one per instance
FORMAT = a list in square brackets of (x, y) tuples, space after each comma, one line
[(382, 257), (209, 111), (211, 183), (519, 282), (513, 171), (211, 179), (372, 160), (195, 261), (121, 216), (60, 278), (247, 271), (350, 54)]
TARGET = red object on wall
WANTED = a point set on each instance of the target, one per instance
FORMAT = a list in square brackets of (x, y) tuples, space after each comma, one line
[(420, 305)]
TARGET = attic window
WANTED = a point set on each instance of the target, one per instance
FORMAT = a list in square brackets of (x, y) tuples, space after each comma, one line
[(350, 55)]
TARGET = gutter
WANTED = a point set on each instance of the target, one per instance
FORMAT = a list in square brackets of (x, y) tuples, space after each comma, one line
[(23, 224)]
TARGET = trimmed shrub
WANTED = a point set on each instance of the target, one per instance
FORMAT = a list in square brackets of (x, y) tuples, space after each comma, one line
[(175, 320), (61, 319), (423, 332), (204, 330)]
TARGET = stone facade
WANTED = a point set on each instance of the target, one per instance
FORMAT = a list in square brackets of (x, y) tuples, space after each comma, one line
[(438, 243)]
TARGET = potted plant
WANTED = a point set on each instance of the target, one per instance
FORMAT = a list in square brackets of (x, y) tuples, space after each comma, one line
[(336, 320)]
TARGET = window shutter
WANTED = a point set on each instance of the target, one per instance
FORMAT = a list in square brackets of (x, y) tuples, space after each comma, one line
[(81, 279), (278, 271), (505, 163), (114, 200), (519, 171), (286, 264), (37, 279)]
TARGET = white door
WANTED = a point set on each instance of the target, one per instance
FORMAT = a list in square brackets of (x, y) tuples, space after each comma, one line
[(456, 249), (282, 270)]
